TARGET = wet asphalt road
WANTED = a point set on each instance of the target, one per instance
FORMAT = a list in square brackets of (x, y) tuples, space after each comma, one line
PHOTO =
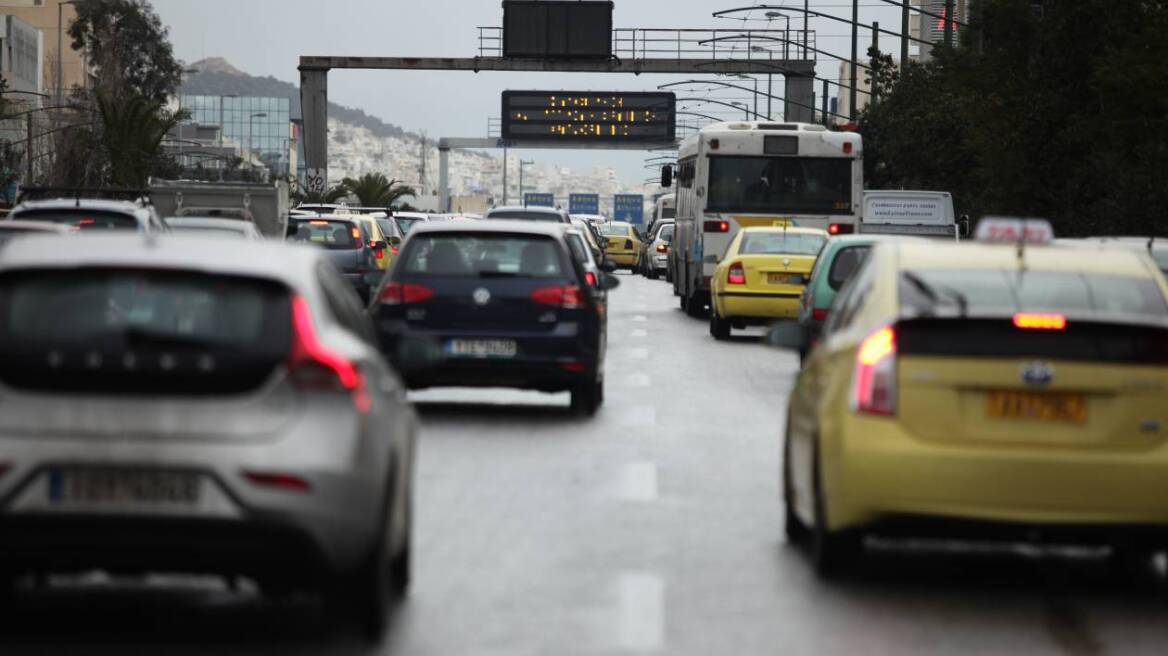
[(653, 528)]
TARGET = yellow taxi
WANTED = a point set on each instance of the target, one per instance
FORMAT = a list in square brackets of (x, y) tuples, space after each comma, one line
[(761, 277), (996, 389), (378, 241), (623, 244)]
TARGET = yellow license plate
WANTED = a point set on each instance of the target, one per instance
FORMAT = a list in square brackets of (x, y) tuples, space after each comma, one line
[(1035, 406), (782, 222), (784, 279)]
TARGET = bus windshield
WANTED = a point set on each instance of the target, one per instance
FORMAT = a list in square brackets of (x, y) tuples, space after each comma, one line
[(795, 185)]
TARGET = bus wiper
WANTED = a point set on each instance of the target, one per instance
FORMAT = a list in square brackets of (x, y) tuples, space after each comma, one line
[(936, 292)]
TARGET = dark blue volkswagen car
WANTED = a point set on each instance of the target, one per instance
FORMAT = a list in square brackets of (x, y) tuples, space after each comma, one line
[(494, 304)]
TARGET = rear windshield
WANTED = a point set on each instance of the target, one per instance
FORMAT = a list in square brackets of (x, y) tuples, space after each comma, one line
[(666, 233), (84, 220), (485, 255), (406, 224), (140, 331), (579, 249), (614, 229), (387, 226), (668, 213), (332, 235), (1033, 291), (846, 261), (778, 243), (526, 216)]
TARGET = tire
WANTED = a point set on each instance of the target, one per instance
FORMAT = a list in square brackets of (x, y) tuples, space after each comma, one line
[(794, 528), (669, 275), (587, 397), (652, 273), (719, 327), (681, 301), (832, 552), (694, 307), (366, 594), (401, 567)]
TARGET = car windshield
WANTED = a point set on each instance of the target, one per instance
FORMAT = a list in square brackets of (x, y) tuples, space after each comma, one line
[(780, 243), (486, 255), (781, 184), (845, 263), (83, 220), (522, 215), (328, 234), (615, 229), (1009, 291)]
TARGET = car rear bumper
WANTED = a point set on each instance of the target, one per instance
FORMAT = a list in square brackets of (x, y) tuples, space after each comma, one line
[(660, 262), (555, 361), (624, 259), (878, 472), (761, 305)]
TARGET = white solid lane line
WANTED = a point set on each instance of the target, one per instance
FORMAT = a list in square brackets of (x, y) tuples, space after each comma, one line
[(642, 611), (637, 482)]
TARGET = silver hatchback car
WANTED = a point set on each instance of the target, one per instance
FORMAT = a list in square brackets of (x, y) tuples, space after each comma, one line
[(200, 405)]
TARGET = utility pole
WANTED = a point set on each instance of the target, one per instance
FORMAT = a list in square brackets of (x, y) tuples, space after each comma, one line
[(504, 175), (949, 9), (422, 166), (826, 120), (28, 150), (903, 37), (873, 96), (855, 58)]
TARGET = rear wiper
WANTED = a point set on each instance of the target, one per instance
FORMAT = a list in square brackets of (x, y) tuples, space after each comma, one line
[(935, 292)]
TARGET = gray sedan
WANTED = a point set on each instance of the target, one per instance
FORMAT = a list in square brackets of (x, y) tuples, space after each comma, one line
[(200, 405)]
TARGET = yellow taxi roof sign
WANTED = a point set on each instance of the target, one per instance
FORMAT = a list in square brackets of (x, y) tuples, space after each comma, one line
[(1010, 230)]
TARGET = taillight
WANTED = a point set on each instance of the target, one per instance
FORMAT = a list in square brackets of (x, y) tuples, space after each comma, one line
[(737, 275), (819, 314), (1037, 321), (394, 249), (314, 366), (569, 297), (874, 386), (628, 244), (841, 229), (396, 293), (716, 226), (590, 278), (663, 248)]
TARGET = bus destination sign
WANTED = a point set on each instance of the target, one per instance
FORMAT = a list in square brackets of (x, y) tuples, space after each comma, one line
[(580, 118)]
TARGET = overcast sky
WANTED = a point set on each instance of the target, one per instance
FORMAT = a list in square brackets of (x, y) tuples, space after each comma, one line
[(267, 37)]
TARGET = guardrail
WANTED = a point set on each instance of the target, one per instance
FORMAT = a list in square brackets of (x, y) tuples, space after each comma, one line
[(638, 44)]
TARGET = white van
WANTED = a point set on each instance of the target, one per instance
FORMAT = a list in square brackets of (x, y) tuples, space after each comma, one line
[(914, 213)]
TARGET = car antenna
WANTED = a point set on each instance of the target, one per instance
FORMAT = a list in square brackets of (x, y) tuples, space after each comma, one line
[(1151, 242), (1022, 248)]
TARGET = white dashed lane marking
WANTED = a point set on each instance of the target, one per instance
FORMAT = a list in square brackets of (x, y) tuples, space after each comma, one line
[(637, 482), (642, 611)]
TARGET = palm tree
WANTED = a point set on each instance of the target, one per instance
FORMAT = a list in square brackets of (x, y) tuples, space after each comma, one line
[(330, 196), (375, 190), (133, 128)]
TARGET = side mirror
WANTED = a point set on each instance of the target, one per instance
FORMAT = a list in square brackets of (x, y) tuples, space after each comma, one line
[(609, 282), (787, 335), (963, 224), (608, 266), (667, 176)]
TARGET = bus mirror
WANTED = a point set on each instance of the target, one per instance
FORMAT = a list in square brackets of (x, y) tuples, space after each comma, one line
[(963, 226), (667, 176)]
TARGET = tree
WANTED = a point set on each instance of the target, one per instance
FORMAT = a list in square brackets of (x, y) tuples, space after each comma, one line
[(128, 47), (133, 128), (375, 190), (330, 196)]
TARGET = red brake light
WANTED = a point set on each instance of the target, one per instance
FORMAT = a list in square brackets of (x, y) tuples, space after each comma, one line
[(1037, 321), (841, 229), (394, 249), (819, 314), (572, 367), (356, 232), (569, 297), (874, 385), (590, 278), (663, 248), (278, 480), (737, 275), (396, 293), (716, 226), (848, 148), (314, 366)]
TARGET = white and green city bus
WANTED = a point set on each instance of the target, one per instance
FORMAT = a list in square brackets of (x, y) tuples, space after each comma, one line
[(735, 175)]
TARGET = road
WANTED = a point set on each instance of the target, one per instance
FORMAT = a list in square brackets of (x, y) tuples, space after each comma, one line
[(653, 528)]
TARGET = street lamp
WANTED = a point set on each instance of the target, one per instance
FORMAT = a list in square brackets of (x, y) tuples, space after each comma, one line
[(61, 48), (523, 163)]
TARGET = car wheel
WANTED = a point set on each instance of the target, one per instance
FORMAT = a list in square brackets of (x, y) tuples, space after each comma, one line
[(719, 327), (669, 275), (652, 273), (366, 594), (832, 552), (586, 398), (694, 306), (681, 301), (401, 569), (794, 528)]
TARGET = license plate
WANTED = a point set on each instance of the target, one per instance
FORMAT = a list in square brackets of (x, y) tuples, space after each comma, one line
[(1033, 406), (782, 222), (482, 348), (784, 279), (100, 486)]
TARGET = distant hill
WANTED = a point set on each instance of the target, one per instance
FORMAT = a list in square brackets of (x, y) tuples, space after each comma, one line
[(217, 77)]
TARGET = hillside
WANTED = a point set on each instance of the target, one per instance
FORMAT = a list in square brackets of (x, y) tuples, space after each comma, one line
[(217, 77)]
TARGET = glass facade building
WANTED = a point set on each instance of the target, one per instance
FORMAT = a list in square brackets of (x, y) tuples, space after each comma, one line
[(261, 125)]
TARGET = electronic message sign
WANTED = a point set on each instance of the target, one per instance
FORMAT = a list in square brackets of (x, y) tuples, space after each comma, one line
[(583, 118)]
